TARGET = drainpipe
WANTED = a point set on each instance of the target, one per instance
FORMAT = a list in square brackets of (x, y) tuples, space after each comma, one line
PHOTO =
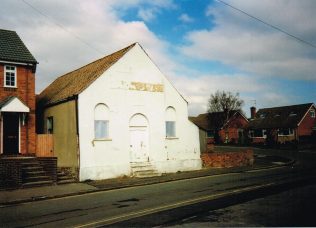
[(77, 134), (27, 103)]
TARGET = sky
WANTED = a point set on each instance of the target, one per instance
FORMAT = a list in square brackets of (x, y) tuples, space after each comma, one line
[(265, 50)]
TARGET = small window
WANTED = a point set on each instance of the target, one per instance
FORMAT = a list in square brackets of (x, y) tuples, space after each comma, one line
[(101, 129), (286, 132), (210, 134), (50, 125), (170, 129), (258, 133), (312, 113), (263, 115), (101, 122), (170, 122), (10, 76)]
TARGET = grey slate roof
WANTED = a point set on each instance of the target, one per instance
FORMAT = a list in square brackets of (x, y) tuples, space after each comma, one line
[(279, 117), (13, 49)]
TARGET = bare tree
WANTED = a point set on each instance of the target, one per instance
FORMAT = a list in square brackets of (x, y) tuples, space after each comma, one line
[(223, 101)]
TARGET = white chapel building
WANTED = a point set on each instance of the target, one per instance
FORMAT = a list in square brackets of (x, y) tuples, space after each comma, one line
[(117, 116)]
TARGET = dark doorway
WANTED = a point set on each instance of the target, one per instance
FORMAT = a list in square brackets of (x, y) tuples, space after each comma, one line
[(10, 133)]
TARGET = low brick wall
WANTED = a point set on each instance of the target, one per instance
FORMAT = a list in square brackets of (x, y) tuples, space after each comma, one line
[(228, 159), (11, 172)]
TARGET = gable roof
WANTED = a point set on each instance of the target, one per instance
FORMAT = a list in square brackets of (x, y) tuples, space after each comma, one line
[(211, 121), (12, 48), (13, 104), (280, 117), (71, 84)]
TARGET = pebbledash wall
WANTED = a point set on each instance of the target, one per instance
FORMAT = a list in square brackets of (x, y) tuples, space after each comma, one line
[(134, 88)]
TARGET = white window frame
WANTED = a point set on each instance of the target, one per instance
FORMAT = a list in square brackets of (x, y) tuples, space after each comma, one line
[(312, 113), (101, 135), (172, 133), (291, 132), (171, 123), (101, 123), (252, 134), (5, 76)]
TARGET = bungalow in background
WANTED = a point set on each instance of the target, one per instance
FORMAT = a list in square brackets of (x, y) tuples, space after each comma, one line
[(295, 123), (117, 116), (220, 127)]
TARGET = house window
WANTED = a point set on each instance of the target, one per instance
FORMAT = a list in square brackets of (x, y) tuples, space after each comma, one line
[(101, 122), (258, 133), (9, 76), (170, 122), (285, 132), (50, 125), (170, 129), (210, 134), (312, 113)]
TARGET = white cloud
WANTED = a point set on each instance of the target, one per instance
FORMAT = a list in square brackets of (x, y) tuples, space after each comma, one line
[(186, 18), (253, 47), (74, 33)]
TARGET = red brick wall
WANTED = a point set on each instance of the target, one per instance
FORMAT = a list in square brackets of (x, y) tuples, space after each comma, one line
[(25, 91), (227, 159), (305, 128)]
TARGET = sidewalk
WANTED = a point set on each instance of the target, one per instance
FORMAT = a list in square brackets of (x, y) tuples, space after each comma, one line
[(11, 197)]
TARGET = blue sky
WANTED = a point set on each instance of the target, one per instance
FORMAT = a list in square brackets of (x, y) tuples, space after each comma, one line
[(200, 45)]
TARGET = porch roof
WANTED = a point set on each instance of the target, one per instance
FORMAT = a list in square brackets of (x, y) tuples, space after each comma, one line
[(13, 104)]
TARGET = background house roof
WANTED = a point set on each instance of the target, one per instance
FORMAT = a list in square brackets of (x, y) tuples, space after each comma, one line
[(73, 83), (211, 121), (279, 117), (12, 48)]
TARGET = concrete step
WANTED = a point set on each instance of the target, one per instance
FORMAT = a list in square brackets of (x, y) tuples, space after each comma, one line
[(36, 178), (148, 173), (144, 169), (36, 184), (34, 173), (68, 181)]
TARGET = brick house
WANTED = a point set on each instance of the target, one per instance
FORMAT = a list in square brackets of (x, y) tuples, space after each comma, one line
[(220, 127), (295, 123), (17, 96)]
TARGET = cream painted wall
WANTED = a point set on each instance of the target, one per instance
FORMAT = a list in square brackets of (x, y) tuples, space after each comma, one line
[(65, 135), (101, 159)]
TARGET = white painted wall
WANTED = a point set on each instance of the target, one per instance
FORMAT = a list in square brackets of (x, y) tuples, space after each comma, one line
[(111, 158)]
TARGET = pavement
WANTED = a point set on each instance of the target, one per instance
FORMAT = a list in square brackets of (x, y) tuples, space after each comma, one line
[(17, 196)]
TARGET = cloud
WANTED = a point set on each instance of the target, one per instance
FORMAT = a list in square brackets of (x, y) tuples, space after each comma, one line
[(147, 14), (66, 35), (246, 44), (186, 18)]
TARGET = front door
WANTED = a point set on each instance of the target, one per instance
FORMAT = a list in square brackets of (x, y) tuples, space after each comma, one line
[(10, 133), (139, 144)]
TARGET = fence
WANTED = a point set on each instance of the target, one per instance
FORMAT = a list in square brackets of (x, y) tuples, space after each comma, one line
[(45, 145)]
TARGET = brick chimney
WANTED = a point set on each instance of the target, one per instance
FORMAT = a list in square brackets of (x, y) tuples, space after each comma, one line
[(252, 112)]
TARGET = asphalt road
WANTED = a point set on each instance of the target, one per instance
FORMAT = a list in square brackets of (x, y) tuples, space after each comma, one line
[(292, 208), (148, 203)]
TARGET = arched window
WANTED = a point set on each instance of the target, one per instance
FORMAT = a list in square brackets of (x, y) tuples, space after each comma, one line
[(170, 122), (101, 121)]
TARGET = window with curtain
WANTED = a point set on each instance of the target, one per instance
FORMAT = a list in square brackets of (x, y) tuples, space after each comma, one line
[(101, 122)]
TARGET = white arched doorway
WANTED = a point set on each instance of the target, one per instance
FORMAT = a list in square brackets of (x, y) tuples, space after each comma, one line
[(139, 143)]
